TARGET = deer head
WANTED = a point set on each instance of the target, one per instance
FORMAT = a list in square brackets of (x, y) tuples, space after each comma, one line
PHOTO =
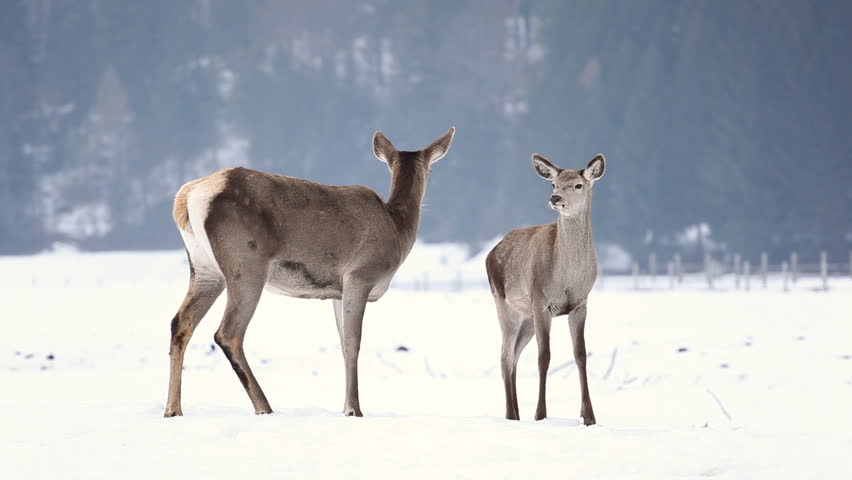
[(409, 169), (384, 150), (572, 189)]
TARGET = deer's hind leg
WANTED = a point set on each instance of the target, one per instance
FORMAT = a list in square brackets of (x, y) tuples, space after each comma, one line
[(245, 286), (517, 332), (241, 242), (205, 286)]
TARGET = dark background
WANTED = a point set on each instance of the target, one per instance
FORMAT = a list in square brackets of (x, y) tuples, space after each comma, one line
[(731, 114)]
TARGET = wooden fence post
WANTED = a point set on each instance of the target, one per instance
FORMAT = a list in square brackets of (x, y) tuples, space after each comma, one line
[(679, 266), (794, 266), (737, 265), (823, 268), (707, 271), (785, 267), (671, 274), (635, 276), (764, 267), (652, 266)]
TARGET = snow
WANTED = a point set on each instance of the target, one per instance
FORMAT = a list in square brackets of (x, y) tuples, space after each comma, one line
[(686, 383)]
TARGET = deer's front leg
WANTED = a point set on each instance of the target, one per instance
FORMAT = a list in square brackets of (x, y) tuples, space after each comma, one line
[(353, 304), (577, 323), (542, 334), (200, 297)]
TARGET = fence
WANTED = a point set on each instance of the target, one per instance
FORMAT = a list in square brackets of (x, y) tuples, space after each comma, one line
[(733, 272), (745, 276)]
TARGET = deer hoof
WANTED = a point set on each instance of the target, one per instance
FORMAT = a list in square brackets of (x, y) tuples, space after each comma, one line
[(172, 413), (352, 412), (589, 421)]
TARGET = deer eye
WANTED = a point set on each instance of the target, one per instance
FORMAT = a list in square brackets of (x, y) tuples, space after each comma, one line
[(578, 186), (553, 185)]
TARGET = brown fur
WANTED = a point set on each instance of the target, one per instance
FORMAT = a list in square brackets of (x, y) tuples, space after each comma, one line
[(301, 239), (537, 273)]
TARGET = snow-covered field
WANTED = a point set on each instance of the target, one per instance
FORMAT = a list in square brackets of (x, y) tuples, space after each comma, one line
[(687, 383)]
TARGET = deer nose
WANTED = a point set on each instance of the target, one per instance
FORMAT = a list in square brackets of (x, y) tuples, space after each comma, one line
[(554, 199)]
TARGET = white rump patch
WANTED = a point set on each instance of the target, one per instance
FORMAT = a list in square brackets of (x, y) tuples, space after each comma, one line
[(198, 204)]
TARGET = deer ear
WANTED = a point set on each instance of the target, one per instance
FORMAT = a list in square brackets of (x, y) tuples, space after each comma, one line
[(383, 149), (595, 169), (544, 168), (440, 147)]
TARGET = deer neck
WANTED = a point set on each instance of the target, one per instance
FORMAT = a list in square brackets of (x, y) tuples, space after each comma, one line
[(574, 237), (408, 185)]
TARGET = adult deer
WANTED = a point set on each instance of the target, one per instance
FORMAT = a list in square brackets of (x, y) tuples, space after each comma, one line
[(248, 230), (537, 273)]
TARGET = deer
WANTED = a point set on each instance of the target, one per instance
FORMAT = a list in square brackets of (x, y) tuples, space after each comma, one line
[(540, 272), (248, 231)]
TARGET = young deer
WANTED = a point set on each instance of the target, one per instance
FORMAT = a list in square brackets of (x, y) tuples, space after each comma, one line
[(248, 230), (537, 273)]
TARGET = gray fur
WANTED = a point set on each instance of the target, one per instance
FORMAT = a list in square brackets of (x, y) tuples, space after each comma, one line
[(537, 273), (300, 239)]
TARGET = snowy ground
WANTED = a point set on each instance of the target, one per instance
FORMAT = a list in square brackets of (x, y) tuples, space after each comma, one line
[(687, 383)]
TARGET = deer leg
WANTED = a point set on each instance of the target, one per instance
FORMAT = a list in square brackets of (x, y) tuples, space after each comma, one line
[(508, 357), (338, 318), (507, 368), (243, 297), (203, 292), (516, 334), (525, 334), (352, 308), (542, 335), (577, 323)]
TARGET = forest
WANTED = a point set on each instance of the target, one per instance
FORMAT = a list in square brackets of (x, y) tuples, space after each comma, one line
[(725, 124)]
